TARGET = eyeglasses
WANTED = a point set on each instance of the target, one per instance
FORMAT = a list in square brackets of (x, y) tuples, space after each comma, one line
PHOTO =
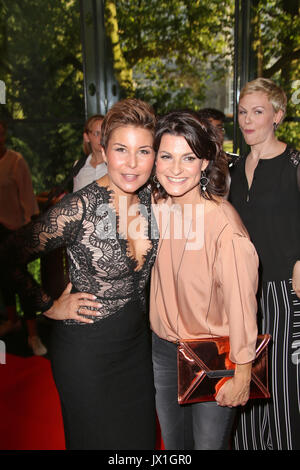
[(220, 128), (95, 133)]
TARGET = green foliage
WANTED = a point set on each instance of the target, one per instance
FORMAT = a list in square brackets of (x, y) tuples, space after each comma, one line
[(42, 70), (277, 45), (122, 70), (172, 47), (165, 52), (277, 36), (289, 132)]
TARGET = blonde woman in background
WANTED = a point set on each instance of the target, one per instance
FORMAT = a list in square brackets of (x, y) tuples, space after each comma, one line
[(265, 192)]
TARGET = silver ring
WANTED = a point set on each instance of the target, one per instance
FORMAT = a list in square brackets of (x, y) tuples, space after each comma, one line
[(78, 310)]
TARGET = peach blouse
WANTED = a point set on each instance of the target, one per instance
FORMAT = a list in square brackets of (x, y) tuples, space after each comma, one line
[(207, 288)]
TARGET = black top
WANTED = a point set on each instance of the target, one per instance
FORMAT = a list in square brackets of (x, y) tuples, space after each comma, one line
[(270, 211), (98, 255)]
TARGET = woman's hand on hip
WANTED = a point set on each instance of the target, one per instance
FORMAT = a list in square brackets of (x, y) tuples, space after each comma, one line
[(296, 278), (73, 306), (236, 391)]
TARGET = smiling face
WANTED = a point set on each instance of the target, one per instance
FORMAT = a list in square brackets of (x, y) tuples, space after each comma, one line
[(178, 169), (257, 117), (130, 157)]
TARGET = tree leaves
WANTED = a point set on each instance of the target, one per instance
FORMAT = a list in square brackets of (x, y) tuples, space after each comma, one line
[(168, 45), (42, 69)]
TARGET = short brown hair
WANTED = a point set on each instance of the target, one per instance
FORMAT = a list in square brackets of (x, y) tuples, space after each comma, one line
[(128, 112), (275, 94), (87, 148)]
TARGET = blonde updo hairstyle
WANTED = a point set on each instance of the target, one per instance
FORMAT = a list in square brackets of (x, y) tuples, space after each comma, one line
[(275, 94)]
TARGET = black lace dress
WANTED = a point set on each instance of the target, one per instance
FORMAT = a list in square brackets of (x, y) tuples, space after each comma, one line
[(103, 371)]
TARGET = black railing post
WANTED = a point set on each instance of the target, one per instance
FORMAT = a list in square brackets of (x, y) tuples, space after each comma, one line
[(101, 89)]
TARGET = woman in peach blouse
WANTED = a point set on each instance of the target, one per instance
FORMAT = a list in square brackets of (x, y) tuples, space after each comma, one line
[(204, 280)]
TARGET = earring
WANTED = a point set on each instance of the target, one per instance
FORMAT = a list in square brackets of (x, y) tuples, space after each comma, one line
[(203, 181), (155, 180), (275, 125)]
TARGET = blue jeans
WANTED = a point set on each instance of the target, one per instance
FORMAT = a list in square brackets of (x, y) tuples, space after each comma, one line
[(199, 426)]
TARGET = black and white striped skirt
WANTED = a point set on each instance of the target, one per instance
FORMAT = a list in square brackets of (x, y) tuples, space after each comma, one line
[(275, 423)]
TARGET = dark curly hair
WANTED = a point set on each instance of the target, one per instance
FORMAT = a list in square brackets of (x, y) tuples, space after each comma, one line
[(205, 143)]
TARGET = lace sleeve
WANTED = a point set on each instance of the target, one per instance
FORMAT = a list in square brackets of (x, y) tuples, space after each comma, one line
[(58, 227)]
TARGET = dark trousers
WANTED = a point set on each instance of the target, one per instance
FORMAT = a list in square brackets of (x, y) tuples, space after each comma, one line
[(274, 424), (199, 426)]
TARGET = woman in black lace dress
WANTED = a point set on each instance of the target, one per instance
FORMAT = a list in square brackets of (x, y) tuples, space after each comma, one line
[(100, 352)]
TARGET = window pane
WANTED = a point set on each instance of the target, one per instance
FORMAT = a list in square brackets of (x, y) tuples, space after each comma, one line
[(41, 66)]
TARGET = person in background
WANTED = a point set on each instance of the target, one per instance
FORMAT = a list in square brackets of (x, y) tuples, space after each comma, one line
[(216, 118), (17, 206), (101, 349), (94, 166), (265, 190), (203, 282)]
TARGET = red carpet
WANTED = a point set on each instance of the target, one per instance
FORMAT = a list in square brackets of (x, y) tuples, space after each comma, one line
[(30, 416)]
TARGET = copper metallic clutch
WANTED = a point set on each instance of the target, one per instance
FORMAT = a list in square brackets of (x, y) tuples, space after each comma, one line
[(204, 366)]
